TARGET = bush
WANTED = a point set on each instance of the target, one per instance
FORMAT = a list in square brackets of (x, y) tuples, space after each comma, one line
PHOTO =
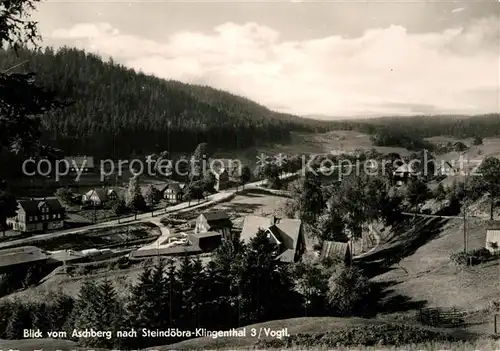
[(471, 258), (477, 141), (367, 335), (348, 291)]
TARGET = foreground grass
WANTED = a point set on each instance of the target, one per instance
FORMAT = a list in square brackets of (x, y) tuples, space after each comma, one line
[(330, 333), (479, 345), (317, 333)]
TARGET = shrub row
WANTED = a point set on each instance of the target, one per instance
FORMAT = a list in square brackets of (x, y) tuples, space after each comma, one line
[(471, 258)]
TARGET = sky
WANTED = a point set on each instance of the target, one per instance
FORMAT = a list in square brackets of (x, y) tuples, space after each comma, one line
[(322, 59)]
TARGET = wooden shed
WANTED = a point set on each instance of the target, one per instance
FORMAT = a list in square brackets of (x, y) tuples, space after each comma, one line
[(337, 251)]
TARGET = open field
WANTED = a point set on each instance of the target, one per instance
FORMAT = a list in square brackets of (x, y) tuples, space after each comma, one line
[(428, 275), (306, 143)]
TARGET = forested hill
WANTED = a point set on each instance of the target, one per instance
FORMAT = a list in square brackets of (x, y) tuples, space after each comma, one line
[(116, 111)]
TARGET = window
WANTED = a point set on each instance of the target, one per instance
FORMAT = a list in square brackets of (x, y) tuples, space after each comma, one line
[(30, 218)]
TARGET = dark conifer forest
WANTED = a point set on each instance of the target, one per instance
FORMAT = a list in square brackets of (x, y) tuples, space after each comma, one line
[(115, 112)]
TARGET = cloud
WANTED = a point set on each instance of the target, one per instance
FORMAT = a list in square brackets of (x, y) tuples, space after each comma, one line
[(459, 9), (384, 71)]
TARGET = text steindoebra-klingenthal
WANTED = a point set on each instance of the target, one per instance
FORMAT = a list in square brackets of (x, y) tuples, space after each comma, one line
[(149, 333)]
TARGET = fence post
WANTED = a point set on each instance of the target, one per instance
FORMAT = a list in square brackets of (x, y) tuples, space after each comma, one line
[(495, 324)]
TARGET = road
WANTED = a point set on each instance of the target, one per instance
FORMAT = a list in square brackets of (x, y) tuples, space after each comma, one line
[(143, 217), (414, 214)]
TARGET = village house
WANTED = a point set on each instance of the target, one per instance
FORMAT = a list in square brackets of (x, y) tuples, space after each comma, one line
[(172, 192), (217, 221), (404, 173), (287, 234), (100, 196), (336, 251), (81, 163), (38, 216)]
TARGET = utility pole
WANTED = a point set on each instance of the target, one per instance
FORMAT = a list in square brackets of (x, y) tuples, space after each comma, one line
[(465, 209)]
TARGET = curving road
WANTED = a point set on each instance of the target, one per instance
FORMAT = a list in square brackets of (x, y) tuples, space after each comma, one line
[(143, 217)]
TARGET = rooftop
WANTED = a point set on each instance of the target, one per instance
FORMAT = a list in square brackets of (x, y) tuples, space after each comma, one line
[(32, 207), (20, 255)]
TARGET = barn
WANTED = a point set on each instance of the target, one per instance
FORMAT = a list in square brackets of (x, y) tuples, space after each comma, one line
[(336, 251)]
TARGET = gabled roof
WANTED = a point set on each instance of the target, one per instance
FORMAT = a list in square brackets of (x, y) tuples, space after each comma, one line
[(291, 230), (251, 226), (217, 219), (286, 230), (101, 193), (215, 216), (335, 249), (406, 168), (275, 233), (288, 256), (32, 207), (174, 187)]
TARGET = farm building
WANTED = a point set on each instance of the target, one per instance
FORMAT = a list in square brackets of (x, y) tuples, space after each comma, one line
[(206, 241), (336, 251), (493, 240)]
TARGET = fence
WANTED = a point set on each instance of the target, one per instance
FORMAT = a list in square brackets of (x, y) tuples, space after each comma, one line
[(441, 317)]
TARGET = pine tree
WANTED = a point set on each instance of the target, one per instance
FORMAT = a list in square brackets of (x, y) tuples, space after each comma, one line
[(140, 307), (61, 308), (41, 318), (266, 290), (6, 308), (107, 304), (17, 322), (159, 292), (173, 292), (151, 196), (86, 315), (188, 295)]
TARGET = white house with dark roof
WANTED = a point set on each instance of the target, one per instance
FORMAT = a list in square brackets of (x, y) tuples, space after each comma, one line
[(38, 215), (214, 221), (100, 196), (173, 192), (222, 179), (287, 234)]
